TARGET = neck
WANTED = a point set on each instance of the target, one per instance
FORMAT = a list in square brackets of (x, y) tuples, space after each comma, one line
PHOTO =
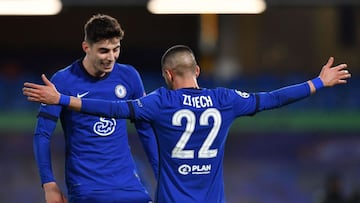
[(91, 69), (178, 84)]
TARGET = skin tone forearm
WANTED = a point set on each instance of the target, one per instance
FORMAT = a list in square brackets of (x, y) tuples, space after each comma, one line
[(75, 104), (312, 87)]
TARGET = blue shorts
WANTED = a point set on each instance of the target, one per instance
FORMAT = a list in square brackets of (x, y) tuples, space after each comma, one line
[(111, 196)]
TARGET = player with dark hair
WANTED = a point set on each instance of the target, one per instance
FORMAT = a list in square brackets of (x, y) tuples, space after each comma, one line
[(99, 166), (191, 123)]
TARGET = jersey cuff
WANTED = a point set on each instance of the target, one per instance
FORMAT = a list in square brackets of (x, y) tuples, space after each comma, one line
[(48, 116), (131, 111)]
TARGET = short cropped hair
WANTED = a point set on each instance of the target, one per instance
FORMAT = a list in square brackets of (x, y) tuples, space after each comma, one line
[(174, 50), (180, 59), (100, 27)]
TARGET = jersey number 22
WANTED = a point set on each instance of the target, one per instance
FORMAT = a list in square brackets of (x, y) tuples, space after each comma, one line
[(205, 151)]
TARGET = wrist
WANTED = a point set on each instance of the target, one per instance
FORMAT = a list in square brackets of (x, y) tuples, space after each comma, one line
[(317, 82), (64, 100), (49, 185)]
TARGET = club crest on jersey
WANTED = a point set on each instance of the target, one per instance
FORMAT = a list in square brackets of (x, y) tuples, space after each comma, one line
[(120, 91), (243, 94), (105, 126), (186, 169)]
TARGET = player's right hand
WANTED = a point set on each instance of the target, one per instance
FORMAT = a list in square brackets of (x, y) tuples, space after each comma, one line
[(46, 94), (53, 193)]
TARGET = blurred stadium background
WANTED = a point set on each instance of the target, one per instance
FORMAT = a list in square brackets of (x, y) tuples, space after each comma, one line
[(279, 156)]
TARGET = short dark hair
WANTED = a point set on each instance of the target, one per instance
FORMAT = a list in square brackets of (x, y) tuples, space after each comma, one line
[(180, 59), (100, 27), (173, 50)]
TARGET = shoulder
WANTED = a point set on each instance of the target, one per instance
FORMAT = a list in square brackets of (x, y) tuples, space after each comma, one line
[(65, 75), (161, 95), (222, 91), (226, 96), (159, 92), (125, 68)]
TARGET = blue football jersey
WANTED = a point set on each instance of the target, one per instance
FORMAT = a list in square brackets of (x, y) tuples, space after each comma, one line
[(191, 126), (98, 155)]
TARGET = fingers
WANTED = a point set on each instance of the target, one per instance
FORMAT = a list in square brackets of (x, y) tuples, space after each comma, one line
[(31, 94), (340, 67), (64, 199), (31, 88), (45, 80), (343, 74), (333, 75), (329, 62), (27, 91), (32, 85), (33, 99), (342, 81), (34, 91)]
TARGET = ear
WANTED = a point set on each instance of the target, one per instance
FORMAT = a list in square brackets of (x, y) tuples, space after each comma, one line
[(197, 71), (169, 75), (85, 46)]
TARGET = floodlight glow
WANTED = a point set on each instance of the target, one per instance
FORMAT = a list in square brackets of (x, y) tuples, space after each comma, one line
[(206, 6), (30, 7)]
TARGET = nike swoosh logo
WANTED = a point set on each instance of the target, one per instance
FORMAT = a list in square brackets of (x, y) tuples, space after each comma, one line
[(82, 95)]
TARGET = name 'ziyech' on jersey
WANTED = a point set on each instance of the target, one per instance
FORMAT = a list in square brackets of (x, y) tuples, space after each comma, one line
[(191, 126)]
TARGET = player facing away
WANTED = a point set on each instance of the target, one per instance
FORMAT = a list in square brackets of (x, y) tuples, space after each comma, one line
[(99, 166), (191, 123)]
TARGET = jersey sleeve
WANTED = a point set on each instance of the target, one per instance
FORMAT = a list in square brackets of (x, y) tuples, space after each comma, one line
[(137, 85), (144, 130), (141, 109), (45, 126), (146, 107), (242, 103), (250, 103), (282, 96), (41, 143)]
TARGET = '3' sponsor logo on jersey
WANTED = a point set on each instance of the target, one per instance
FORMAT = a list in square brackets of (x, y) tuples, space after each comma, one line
[(105, 126)]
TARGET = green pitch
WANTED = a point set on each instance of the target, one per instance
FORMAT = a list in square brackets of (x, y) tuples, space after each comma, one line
[(269, 121)]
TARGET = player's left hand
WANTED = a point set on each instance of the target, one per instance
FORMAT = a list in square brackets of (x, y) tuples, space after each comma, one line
[(331, 76)]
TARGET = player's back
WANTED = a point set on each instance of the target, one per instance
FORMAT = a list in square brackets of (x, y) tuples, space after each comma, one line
[(192, 126)]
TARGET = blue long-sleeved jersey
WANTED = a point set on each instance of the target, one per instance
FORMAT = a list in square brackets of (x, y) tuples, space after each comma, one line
[(191, 126), (98, 155)]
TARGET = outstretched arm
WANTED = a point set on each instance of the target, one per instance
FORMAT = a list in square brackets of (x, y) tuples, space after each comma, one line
[(48, 94), (328, 77)]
